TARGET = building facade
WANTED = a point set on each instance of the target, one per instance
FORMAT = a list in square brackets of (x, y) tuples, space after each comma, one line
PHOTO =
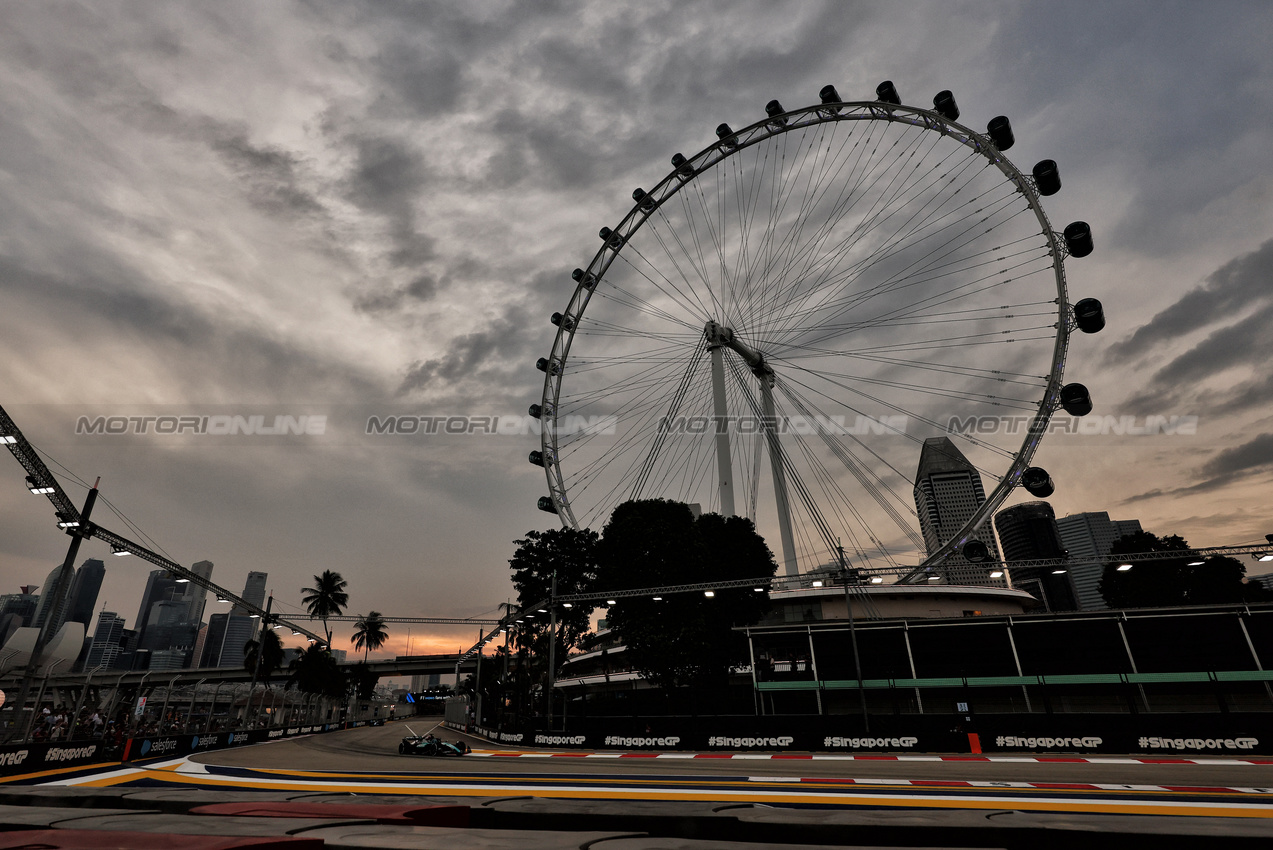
[(948, 491), (1028, 532), (107, 642), (1088, 538)]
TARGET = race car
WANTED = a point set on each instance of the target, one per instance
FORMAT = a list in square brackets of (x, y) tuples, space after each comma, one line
[(431, 745)]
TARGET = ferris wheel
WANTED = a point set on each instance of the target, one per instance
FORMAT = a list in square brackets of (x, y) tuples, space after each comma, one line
[(777, 328)]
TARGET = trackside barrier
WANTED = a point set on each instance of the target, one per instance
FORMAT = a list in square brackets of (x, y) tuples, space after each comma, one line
[(1164, 735), (19, 759)]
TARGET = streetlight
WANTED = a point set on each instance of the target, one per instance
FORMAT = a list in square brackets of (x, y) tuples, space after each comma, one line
[(1122, 568), (853, 636)]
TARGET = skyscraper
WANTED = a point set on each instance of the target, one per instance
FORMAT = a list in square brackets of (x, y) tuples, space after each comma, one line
[(1088, 538), (948, 492), (17, 610), (160, 587), (196, 595), (84, 589), (239, 630), (48, 600), (106, 641), (254, 590), (1028, 532)]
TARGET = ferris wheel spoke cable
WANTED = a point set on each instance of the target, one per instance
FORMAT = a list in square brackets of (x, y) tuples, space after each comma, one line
[(923, 366), (877, 488), (990, 447), (851, 272), (911, 276), (677, 398), (861, 230), (826, 312)]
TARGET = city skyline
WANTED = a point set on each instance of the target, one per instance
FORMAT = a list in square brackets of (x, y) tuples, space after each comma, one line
[(311, 209)]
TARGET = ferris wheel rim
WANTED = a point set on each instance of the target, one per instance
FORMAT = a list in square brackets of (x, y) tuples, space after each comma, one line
[(683, 175)]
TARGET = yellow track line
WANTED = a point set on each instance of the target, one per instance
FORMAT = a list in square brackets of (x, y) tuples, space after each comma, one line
[(847, 800)]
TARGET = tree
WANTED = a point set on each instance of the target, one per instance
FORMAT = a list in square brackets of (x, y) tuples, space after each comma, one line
[(1172, 581), (362, 681), (687, 638), (315, 671), (572, 555), (369, 633), (271, 655), (327, 598)]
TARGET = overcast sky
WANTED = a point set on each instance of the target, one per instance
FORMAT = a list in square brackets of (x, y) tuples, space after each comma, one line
[(336, 208)]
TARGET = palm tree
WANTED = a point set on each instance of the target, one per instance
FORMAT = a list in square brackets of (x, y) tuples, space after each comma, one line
[(315, 672), (271, 656), (327, 598), (369, 633)]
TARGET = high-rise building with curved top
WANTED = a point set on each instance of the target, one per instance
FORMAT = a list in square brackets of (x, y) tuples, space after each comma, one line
[(948, 491)]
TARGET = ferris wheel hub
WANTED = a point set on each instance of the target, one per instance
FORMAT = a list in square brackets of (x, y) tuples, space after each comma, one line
[(720, 336)]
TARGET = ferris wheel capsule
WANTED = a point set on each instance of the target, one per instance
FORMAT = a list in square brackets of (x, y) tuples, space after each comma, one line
[(1037, 482), (944, 103), (1089, 315), (1000, 131)]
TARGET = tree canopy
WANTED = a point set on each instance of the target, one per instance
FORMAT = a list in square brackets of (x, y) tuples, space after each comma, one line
[(687, 637), (315, 671), (572, 555), (271, 655), (370, 633), (1150, 584), (327, 598)]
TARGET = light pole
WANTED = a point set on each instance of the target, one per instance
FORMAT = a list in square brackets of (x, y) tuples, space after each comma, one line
[(853, 637), (61, 587), (79, 704), (552, 649), (163, 711), (35, 710), (194, 694), (207, 727), (260, 651)]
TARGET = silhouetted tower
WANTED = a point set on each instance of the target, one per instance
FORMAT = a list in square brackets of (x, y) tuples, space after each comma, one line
[(106, 641), (85, 587), (196, 594), (1028, 532), (948, 492), (1089, 537)]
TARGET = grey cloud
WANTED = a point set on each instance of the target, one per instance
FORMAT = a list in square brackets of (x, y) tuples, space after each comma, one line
[(207, 355), (1240, 343), (387, 178), (471, 356), (426, 79), (271, 174), (1228, 466), (422, 288), (1238, 292), (1252, 455), (1231, 289)]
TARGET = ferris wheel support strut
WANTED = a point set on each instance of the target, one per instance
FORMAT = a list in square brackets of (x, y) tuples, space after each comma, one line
[(724, 467), (720, 337)]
